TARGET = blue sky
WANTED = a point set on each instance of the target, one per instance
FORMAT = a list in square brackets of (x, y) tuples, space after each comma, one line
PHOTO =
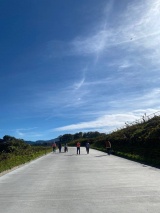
[(77, 66)]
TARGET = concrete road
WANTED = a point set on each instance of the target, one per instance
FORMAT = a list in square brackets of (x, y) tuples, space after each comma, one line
[(70, 183)]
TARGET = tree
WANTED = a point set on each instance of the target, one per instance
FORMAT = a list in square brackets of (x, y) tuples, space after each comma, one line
[(78, 135)]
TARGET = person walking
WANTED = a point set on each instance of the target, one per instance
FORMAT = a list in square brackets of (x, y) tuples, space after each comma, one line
[(54, 147), (78, 148), (59, 146), (108, 147), (65, 147), (87, 147)]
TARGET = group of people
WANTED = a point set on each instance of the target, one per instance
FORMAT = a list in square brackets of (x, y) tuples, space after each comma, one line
[(79, 145), (54, 147), (108, 147)]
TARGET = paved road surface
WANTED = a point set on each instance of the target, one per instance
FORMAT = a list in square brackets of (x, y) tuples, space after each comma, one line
[(94, 183)]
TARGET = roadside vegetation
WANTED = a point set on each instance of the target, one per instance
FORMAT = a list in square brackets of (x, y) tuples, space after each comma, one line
[(139, 142), (14, 152)]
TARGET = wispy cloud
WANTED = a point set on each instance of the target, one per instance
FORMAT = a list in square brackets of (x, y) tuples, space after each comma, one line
[(91, 45), (108, 122), (151, 99), (79, 84), (81, 96), (28, 132), (132, 108), (133, 46), (133, 101), (125, 65), (104, 121), (136, 30)]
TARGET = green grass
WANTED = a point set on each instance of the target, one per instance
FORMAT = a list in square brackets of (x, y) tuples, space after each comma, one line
[(133, 157), (11, 160)]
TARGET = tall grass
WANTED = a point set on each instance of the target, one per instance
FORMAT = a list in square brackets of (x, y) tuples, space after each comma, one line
[(10, 160)]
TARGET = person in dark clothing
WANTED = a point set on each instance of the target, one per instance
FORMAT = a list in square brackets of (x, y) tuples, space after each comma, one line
[(78, 148), (108, 147), (59, 147), (87, 147), (65, 147), (54, 147)]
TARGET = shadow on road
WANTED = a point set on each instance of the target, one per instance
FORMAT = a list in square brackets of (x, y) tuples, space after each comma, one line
[(75, 154), (100, 156)]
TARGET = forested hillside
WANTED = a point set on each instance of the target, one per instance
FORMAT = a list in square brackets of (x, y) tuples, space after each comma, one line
[(140, 142), (14, 152)]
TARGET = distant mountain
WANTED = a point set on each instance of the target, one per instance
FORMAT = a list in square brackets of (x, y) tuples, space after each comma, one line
[(30, 142), (42, 141)]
